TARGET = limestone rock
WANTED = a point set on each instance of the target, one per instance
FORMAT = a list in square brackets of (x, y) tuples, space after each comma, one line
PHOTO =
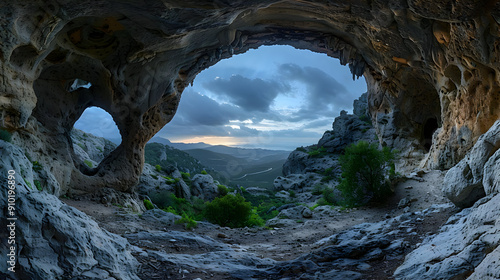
[(54, 240), (469, 239), (463, 184), (204, 186)]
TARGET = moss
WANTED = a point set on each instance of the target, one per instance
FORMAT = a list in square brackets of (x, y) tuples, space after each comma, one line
[(38, 185), (148, 204)]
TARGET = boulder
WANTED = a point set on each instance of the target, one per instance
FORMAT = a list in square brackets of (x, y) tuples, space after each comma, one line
[(467, 242), (54, 240), (204, 187), (463, 184)]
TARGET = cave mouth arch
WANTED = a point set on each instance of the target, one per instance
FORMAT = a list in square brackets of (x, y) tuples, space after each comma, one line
[(94, 136), (301, 87)]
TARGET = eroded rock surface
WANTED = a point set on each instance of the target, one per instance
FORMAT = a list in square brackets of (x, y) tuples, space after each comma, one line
[(138, 58)]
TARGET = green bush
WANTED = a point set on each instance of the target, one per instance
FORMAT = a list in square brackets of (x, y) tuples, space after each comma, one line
[(188, 221), (318, 152), (204, 172), (223, 190), (38, 185), (158, 168), (37, 166), (148, 204), (364, 172), (186, 176), (292, 193), (230, 210), (5, 135), (88, 163)]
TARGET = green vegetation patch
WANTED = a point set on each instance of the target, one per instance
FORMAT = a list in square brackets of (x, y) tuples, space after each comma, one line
[(366, 172)]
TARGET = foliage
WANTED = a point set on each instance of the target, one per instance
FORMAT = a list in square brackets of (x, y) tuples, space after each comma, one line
[(88, 163), (292, 193), (204, 172), (223, 190), (364, 172), (328, 197), (38, 185), (28, 183), (328, 175), (318, 152), (171, 203), (230, 210), (188, 221), (255, 220), (148, 204), (186, 176), (301, 149), (37, 166), (158, 168), (5, 135), (318, 189)]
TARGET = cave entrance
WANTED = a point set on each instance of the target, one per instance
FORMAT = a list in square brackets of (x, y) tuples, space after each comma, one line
[(274, 97), (430, 126), (95, 135)]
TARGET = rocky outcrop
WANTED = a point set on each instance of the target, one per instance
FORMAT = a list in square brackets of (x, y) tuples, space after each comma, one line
[(52, 239), (204, 186), (467, 247), (317, 165), (431, 69), (139, 58), (475, 175)]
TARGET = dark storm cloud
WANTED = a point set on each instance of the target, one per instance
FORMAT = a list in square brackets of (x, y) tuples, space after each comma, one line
[(197, 109), (249, 94), (324, 94)]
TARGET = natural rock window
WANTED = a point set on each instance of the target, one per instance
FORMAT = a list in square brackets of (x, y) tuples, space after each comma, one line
[(94, 136)]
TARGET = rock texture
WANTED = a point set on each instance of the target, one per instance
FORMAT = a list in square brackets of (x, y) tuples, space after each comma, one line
[(432, 70), (54, 240), (139, 57), (476, 175)]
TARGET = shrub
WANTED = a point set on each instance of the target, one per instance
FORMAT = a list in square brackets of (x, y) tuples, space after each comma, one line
[(185, 175), (318, 152), (88, 163), (292, 193), (364, 172), (318, 189), (37, 166), (328, 197), (222, 190), (158, 168), (188, 221), (38, 185), (148, 204), (230, 210), (301, 149), (5, 135), (204, 172), (255, 220)]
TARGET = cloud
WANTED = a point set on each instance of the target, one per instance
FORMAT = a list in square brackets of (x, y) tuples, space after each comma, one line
[(324, 94), (249, 94)]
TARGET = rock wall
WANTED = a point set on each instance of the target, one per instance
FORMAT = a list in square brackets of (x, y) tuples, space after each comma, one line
[(138, 57)]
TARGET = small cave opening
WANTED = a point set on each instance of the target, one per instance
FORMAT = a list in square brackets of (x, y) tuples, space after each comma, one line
[(78, 83), (430, 126), (94, 136)]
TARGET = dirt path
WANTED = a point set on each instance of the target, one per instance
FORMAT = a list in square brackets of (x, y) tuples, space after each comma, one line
[(289, 242)]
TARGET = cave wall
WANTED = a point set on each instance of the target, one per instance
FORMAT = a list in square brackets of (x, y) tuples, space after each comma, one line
[(424, 62)]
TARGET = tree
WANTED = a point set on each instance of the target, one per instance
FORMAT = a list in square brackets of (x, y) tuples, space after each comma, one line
[(365, 170)]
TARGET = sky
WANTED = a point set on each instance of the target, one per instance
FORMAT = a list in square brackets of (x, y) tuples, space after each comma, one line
[(275, 97)]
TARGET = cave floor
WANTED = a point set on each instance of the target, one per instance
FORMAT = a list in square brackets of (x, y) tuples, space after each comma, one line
[(280, 244)]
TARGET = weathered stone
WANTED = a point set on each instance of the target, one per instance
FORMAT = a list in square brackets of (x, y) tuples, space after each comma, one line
[(204, 187), (469, 239), (463, 184), (54, 240)]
